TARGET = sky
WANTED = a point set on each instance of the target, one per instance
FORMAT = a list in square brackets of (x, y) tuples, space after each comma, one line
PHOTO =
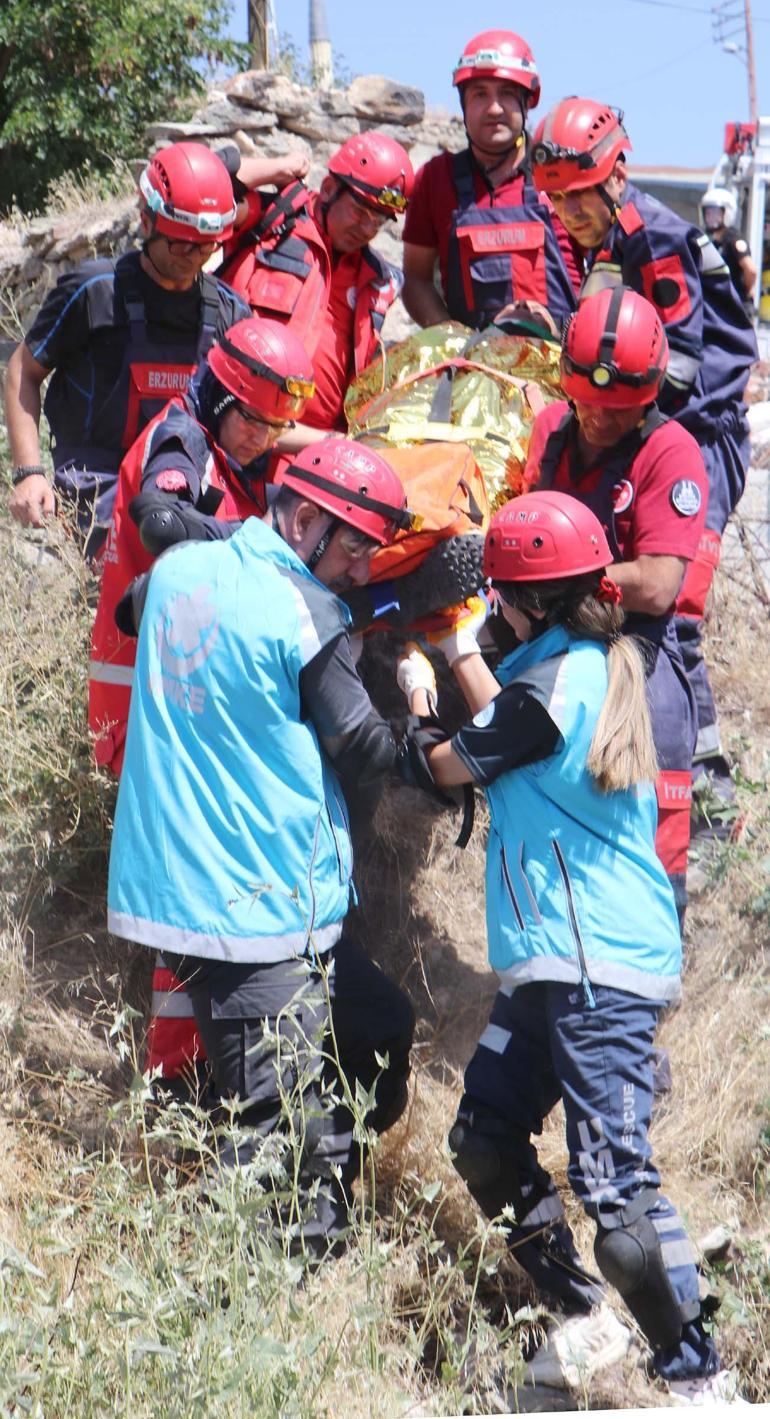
[(657, 59)]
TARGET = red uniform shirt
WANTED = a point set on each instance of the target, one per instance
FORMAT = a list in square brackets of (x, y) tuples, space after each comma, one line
[(429, 216), (655, 512), (333, 357)]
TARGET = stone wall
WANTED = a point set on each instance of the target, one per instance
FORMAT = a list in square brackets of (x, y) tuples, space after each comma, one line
[(264, 113)]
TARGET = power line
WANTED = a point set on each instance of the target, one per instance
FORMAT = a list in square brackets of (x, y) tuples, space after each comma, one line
[(620, 84), (691, 9)]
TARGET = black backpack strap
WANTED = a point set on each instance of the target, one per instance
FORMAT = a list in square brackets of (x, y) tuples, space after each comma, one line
[(281, 214), (463, 177), (555, 445), (208, 319), (127, 280)]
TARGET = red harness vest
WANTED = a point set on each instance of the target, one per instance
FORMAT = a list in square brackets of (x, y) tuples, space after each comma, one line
[(281, 266), (112, 654)]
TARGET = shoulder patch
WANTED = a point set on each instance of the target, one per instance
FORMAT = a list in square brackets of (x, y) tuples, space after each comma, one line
[(741, 246), (630, 220), (622, 495), (686, 497)]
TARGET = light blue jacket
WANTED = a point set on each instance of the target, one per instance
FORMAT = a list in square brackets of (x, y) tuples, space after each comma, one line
[(575, 890), (231, 837)]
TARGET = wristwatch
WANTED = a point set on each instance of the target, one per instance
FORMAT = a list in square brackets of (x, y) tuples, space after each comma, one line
[(28, 471)]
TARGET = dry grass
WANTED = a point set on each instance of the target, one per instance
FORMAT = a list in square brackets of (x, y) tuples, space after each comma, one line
[(390, 1327)]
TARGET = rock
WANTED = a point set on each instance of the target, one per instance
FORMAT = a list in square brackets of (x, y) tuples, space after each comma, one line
[(336, 103), (320, 128), (404, 136), (262, 89), (161, 133), (228, 117), (384, 100), (716, 1244), (39, 235)]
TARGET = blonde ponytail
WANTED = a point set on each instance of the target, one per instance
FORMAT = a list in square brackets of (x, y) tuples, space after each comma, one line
[(622, 751)]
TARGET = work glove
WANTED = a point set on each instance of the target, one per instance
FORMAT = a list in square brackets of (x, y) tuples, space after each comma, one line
[(461, 637), (415, 672)]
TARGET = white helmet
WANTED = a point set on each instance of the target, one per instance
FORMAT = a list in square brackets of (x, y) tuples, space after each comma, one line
[(721, 197)]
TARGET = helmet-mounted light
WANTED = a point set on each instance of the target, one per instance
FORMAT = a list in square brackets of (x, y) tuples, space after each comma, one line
[(547, 151), (210, 224), (495, 59), (295, 385)]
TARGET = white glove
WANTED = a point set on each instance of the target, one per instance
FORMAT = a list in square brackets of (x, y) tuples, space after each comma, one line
[(460, 638), (415, 672)]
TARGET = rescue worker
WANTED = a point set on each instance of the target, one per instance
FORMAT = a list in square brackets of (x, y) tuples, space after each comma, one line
[(718, 212), (119, 339), (643, 476), (584, 936), (198, 453), (477, 213), (578, 159), (303, 257), (195, 461), (248, 729)]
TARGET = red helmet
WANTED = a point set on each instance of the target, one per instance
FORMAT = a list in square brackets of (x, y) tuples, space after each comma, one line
[(542, 537), (264, 365), (499, 54), (614, 351), (577, 145), (188, 193), (377, 169), (354, 483)]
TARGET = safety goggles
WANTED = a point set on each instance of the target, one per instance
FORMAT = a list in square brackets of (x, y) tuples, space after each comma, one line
[(299, 388), (390, 197), (210, 224)]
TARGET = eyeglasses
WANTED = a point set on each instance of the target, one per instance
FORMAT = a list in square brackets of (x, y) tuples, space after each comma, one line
[(356, 545), (186, 248), (276, 426)]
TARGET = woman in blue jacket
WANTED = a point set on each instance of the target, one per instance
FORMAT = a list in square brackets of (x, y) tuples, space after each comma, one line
[(583, 934)]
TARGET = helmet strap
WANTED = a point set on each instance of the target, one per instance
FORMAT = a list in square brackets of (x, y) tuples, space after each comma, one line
[(322, 545), (612, 206)]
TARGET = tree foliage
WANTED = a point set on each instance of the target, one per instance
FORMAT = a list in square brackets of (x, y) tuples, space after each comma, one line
[(80, 79)]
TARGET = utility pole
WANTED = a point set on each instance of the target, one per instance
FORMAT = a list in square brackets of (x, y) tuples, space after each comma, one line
[(258, 15), (321, 65), (753, 106), (732, 23)]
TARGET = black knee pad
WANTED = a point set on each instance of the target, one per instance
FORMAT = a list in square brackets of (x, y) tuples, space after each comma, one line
[(629, 1256), (494, 1160)]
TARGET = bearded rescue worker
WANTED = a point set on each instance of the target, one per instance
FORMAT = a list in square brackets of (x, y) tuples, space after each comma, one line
[(303, 257), (718, 212), (119, 339), (643, 476), (578, 159), (196, 454), (496, 241), (231, 850), (583, 936)]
